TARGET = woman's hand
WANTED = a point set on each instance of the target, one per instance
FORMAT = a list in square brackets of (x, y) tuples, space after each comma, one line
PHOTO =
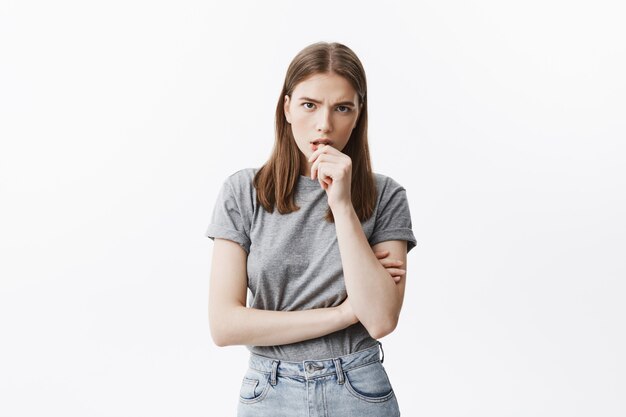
[(392, 265), (333, 170)]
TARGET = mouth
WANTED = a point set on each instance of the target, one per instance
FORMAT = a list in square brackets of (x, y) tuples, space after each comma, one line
[(320, 141)]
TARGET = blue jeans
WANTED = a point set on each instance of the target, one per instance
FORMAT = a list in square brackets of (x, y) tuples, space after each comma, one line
[(351, 385)]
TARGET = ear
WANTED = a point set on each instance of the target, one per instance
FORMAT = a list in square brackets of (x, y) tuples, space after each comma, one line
[(286, 109)]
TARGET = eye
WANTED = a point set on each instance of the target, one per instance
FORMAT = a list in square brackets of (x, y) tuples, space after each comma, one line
[(309, 108), (348, 109)]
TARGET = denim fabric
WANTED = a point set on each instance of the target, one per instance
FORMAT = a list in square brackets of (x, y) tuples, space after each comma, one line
[(351, 385)]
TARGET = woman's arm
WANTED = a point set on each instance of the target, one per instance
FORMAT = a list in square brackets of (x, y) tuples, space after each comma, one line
[(375, 299), (232, 323)]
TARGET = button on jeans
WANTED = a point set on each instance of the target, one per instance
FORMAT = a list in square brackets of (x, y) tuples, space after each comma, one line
[(352, 385)]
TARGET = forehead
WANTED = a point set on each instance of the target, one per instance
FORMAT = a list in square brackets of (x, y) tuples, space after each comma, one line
[(330, 87)]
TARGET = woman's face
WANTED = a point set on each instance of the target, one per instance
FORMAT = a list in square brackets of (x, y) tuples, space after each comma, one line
[(323, 106)]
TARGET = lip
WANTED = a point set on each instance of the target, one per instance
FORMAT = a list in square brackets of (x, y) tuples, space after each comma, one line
[(320, 141), (325, 141)]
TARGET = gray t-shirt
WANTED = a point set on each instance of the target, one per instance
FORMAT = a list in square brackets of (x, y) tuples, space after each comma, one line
[(293, 259)]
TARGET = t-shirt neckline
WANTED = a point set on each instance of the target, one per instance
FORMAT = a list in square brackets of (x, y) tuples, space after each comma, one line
[(306, 182)]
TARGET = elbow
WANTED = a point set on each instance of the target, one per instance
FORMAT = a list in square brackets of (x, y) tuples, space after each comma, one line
[(222, 332), (219, 339), (382, 329), (218, 336), (223, 337)]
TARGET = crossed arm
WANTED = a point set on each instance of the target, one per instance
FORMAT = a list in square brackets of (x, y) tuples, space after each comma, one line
[(374, 279)]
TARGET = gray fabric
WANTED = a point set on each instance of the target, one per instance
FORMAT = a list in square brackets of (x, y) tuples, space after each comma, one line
[(293, 259)]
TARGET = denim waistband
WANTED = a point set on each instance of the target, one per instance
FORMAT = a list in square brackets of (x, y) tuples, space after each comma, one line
[(309, 369)]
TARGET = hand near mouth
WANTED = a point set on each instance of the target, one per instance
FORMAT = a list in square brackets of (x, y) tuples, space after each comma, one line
[(333, 170)]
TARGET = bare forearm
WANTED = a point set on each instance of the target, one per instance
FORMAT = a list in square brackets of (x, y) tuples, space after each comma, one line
[(256, 327), (373, 295)]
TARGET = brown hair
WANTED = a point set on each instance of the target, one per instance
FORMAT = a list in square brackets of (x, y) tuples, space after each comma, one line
[(276, 180)]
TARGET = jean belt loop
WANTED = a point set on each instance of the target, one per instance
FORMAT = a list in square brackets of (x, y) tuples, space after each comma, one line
[(274, 370), (339, 370), (381, 349)]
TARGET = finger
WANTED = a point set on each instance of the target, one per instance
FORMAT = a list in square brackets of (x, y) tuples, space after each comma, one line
[(330, 157), (330, 172), (323, 158), (381, 254), (323, 148), (328, 152), (390, 262), (327, 173), (322, 176), (316, 153), (396, 271), (316, 169), (396, 278)]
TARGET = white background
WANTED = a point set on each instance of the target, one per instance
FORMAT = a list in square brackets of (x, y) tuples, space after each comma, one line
[(505, 121)]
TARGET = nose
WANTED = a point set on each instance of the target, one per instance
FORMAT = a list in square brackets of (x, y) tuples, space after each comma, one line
[(324, 123)]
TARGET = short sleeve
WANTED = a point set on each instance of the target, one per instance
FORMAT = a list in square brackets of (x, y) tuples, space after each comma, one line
[(228, 219), (393, 217)]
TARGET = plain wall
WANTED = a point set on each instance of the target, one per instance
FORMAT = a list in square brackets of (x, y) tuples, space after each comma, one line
[(504, 121)]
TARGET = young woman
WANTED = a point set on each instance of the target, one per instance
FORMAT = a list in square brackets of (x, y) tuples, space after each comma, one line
[(321, 241)]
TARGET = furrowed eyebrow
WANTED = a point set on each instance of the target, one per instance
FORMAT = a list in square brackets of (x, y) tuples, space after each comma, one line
[(343, 103)]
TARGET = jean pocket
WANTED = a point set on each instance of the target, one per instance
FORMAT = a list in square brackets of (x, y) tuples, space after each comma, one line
[(369, 383), (254, 386)]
